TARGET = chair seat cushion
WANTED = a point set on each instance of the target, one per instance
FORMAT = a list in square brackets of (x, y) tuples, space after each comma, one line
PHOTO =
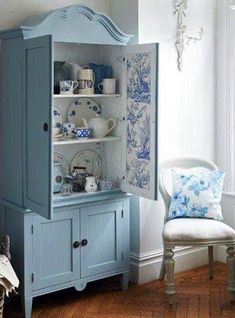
[(196, 230)]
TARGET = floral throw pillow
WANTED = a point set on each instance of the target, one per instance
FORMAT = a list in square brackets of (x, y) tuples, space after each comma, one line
[(196, 195)]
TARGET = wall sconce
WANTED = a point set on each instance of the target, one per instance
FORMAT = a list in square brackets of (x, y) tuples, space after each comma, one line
[(181, 36)]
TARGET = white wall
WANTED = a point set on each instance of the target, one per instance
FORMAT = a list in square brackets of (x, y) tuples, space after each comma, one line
[(186, 103), (125, 14), (12, 12), (225, 119)]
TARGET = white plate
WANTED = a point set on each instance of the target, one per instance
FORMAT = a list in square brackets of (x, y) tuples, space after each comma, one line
[(89, 159), (82, 108), (57, 119), (61, 159)]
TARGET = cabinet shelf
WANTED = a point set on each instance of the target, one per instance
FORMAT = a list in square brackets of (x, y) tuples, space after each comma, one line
[(85, 141), (86, 95), (58, 197)]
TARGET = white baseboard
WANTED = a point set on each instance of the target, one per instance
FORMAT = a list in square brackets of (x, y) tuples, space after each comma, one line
[(146, 267), (220, 253)]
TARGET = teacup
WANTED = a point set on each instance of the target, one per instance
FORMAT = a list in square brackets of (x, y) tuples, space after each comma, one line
[(81, 132), (108, 86), (66, 189), (67, 87), (67, 129)]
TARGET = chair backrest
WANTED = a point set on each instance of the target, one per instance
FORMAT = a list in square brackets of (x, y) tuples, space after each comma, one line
[(184, 163)]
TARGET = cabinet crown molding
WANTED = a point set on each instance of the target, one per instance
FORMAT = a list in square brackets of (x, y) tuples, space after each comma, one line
[(59, 22)]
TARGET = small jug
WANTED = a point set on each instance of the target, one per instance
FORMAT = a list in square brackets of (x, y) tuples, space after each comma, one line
[(91, 185), (86, 80)]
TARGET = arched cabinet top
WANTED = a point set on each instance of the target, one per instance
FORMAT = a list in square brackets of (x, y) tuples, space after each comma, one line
[(76, 23)]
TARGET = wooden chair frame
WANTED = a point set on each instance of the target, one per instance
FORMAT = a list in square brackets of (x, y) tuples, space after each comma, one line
[(167, 268)]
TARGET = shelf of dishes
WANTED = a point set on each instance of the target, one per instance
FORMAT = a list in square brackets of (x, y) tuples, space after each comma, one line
[(85, 95), (85, 140)]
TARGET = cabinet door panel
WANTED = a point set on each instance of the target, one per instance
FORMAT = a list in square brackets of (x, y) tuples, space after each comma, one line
[(141, 120), (102, 227), (55, 260), (37, 123)]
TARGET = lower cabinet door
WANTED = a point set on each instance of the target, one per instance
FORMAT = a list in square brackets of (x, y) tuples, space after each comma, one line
[(101, 238), (56, 251)]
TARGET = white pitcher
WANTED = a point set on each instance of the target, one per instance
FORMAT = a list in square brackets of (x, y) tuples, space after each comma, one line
[(91, 185)]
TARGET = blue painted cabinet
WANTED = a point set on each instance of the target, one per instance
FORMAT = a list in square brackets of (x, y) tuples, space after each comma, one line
[(102, 230), (60, 242), (55, 255), (37, 107)]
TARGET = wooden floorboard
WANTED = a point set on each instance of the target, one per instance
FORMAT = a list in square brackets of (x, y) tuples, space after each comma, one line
[(196, 297)]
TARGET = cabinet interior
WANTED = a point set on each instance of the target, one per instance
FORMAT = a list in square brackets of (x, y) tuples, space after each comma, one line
[(112, 152)]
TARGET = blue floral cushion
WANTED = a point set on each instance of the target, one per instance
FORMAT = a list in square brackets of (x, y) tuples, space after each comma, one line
[(196, 195)]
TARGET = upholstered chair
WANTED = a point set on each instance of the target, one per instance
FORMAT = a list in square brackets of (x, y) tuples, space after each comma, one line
[(192, 231)]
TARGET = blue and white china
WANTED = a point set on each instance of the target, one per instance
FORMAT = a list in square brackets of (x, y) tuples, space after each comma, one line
[(100, 127), (88, 159), (67, 129), (86, 81), (108, 86), (58, 177), (101, 71), (91, 185), (66, 189), (81, 132), (106, 184), (67, 87), (57, 122), (58, 158), (82, 108)]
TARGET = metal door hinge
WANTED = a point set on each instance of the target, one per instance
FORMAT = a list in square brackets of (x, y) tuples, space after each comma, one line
[(122, 213), (31, 229), (32, 277)]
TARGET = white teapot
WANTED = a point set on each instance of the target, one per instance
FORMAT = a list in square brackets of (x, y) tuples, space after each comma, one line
[(100, 126)]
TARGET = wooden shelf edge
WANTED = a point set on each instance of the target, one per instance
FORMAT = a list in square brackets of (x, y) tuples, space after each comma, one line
[(85, 141), (88, 96)]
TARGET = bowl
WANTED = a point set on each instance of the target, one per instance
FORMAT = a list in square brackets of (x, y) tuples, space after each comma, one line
[(106, 184), (81, 132)]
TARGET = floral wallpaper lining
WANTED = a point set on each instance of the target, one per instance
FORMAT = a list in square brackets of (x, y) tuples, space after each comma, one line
[(138, 119)]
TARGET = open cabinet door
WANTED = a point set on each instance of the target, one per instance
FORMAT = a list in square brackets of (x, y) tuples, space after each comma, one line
[(141, 153), (37, 72)]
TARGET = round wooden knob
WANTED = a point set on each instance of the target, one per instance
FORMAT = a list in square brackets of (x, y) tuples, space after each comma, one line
[(84, 242), (76, 244)]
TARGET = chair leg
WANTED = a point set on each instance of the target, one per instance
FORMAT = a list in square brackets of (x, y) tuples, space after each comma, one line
[(211, 263), (231, 271), (169, 266), (163, 268)]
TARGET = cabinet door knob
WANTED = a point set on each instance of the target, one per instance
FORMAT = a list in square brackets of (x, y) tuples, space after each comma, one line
[(45, 127), (76, 244), (84, 242)]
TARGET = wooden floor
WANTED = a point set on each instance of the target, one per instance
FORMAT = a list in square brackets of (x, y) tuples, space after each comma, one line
[(196, 296)]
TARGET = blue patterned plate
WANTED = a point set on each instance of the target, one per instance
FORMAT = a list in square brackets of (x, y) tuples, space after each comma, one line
[(57, 121), (82, 108)]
